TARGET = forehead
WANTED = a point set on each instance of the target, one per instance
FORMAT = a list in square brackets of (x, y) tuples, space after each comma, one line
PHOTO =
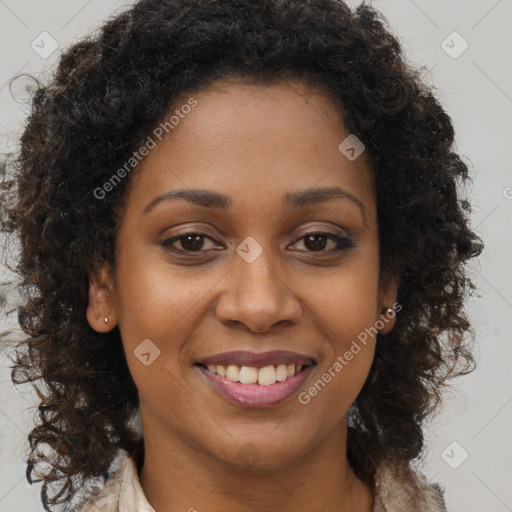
[(253, 142)]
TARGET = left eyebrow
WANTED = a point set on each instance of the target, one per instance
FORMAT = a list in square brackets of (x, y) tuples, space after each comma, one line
[(311, 196)]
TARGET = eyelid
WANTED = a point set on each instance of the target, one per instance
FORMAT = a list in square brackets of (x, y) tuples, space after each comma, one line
[(175, 238), (200, 230), (324, 229), (342, 243)]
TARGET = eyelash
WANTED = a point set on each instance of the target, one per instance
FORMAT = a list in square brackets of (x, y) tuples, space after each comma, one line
[(342, 244)]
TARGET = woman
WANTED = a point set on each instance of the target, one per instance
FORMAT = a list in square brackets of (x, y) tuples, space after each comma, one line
[(239, 225)]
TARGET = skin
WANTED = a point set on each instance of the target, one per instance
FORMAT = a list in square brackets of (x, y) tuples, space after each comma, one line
[(254, 144)]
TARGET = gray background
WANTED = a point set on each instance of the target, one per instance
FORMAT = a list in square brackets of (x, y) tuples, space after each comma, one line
[(475, 88)]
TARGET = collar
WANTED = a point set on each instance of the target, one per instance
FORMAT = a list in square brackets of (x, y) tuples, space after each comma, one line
[(397, 489)]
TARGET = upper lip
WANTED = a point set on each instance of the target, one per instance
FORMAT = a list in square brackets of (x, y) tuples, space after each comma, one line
[(257, 360)]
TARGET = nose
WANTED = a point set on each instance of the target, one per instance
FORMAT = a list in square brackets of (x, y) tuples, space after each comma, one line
[(256, 297)]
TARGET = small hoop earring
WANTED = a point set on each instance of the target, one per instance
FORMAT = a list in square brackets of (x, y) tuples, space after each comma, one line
[(387, 312)]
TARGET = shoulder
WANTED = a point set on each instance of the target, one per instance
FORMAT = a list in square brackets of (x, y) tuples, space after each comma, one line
[(402, 489), (121, 492)]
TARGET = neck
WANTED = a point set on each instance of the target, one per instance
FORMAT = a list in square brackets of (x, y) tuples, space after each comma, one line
[(176, 476)]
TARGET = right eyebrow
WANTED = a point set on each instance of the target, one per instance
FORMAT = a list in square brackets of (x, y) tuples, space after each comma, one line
[(206, 198)]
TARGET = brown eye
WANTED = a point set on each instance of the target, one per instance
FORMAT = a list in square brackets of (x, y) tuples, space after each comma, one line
[(315, 242), (190, 242), (193, 242), (318, 241)]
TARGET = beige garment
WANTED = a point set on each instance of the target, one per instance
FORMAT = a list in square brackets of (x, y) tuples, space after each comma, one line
[(397, 491)]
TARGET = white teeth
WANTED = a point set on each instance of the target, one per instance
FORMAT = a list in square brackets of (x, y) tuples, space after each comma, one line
[(250, 375), (232, 372), (281, 372), (267, 376)]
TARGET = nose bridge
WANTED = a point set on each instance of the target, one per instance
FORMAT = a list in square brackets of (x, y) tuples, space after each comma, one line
[(257, 278), (258, 269), (256, 294)]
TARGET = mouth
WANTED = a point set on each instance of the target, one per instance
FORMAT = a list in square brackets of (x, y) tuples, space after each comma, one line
[(265, 376), (256, 380)]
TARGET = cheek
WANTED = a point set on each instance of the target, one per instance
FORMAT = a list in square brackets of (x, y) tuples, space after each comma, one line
[(345, 301), (347, 358), (154, 315), (345, 308), (155, 300), (164, 304)]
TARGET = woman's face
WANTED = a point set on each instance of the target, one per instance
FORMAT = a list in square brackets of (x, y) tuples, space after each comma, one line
[(255, 277)]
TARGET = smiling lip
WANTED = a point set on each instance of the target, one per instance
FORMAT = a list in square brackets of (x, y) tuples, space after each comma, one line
[(255, 395), (245, 358)]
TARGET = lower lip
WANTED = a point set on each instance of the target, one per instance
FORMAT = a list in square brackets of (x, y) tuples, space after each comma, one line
[(256, 395)]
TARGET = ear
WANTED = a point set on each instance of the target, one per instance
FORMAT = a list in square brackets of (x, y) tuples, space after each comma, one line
[(101, 300), (388, 291)]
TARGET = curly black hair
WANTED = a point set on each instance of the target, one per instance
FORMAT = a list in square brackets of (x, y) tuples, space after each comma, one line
[(108, 92)]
